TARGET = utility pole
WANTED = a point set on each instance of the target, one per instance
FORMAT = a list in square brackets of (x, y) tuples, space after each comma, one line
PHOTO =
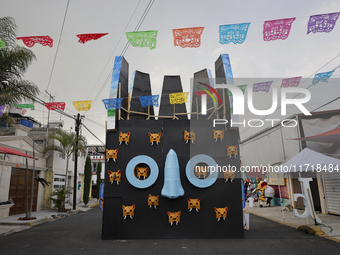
[(48, 116), (77, 127), (26, 193), (32, 184)]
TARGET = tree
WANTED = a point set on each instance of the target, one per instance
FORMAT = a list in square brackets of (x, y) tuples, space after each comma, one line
[(14, 62), (67, 145), (87, 180), (58, 198), (99, 179)]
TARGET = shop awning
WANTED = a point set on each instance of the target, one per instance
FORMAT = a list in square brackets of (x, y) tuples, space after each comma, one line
[(5, 150), (332, 136)]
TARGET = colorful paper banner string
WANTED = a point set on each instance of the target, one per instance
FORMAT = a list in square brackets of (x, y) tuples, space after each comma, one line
[(28, 106), (83, 38), (29, 41), (142, 39), (113, 103), (262, 86), (149, 100), (2, 44), (82, 105), (242, 87), (188, 37), (55, 106), (322, 77), (323, 23), (178, 98), (291, 82), (277, 29), (2, 109), (235, 33)]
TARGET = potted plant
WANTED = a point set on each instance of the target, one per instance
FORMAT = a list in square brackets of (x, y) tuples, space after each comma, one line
[(58, 198)]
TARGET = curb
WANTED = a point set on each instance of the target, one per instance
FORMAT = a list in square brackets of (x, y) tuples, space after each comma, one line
[(37, 222), (314, 230), (31, 223), (94, 205), (308, 229)]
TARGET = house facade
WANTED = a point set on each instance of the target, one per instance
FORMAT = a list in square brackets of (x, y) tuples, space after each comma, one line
[(50, 166), (13, 177)]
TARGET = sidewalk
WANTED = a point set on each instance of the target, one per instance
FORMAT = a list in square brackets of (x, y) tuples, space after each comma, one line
[(329, 228), (12, 223)]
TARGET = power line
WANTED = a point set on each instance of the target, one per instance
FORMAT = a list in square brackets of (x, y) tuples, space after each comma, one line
[(114, 50), (326, 104), (56, 53), (301, 83), (140, 22), (279, 127), (92, 133), (38, 100)]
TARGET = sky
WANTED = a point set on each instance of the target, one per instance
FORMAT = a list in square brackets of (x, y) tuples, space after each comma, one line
[(74, 71)]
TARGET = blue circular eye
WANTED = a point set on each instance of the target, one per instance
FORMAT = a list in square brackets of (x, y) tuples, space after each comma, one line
[(130, 176), (190, 171)]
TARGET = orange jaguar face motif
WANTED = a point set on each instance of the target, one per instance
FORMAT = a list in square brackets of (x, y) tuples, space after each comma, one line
[(111, 154), (218, 134), (174, 217), (128, 211), (229, 175), (232, 150), (155, 138), (124, 137), (194, 204), (115, 176), (201, 172), (221, 213), (189, 136), (142, 171), (153, 201)]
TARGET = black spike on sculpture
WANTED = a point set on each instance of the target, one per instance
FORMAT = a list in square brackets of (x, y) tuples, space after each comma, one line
[(223, 112), (171, 84), (141, 87), (199, 78), (124, 85)]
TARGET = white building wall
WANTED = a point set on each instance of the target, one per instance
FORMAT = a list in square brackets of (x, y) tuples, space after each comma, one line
[(95, 160), (270, 147), (4, 189)]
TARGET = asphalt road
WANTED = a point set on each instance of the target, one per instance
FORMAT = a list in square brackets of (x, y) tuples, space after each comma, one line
[(81, 234)]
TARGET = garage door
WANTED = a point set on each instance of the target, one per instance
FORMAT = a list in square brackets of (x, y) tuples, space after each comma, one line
[(332, 191), (18, 190)]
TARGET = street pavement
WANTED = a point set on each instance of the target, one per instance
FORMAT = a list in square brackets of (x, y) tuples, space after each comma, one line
[(12, 224), (80, 233), (329, 228)]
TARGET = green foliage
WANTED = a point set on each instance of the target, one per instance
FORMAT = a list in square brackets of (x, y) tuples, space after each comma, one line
[(99, 180), (67, 145), (87, 180), (14, 62), (58, 198), (6, 119)]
